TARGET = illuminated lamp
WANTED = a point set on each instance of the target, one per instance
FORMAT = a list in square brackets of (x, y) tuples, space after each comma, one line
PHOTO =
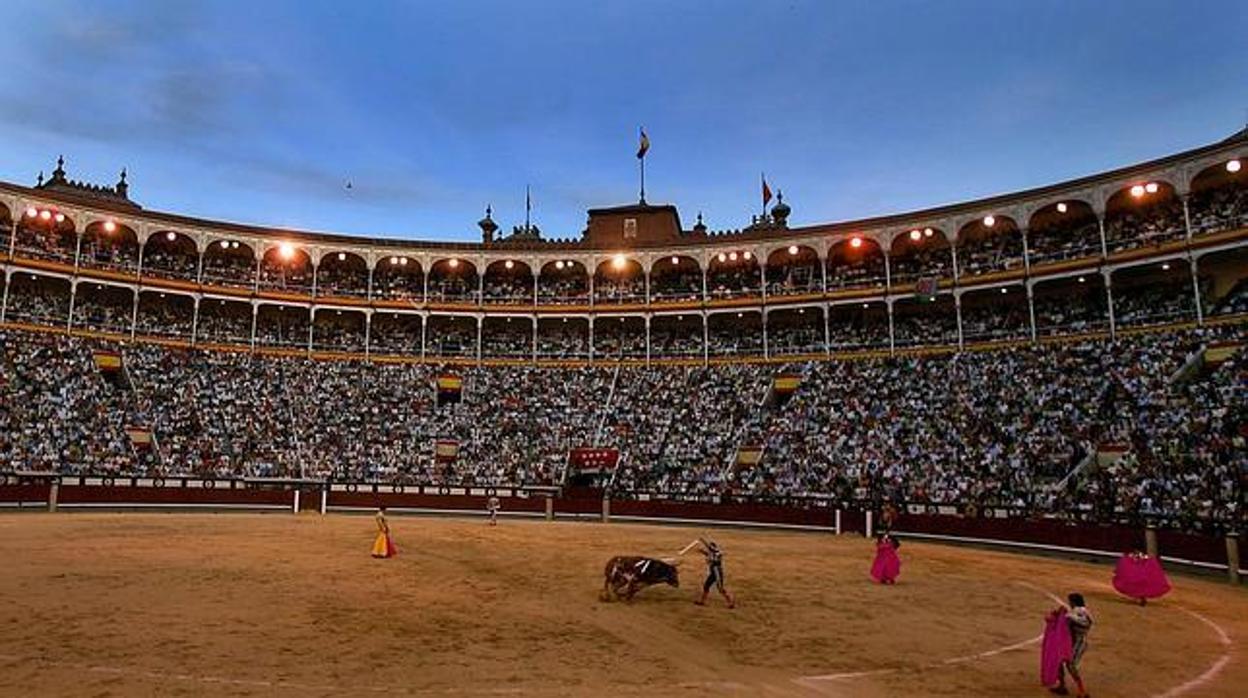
[(732, 256), (928, 232), (225, 244), (1061, 208), (619, 261), (1137, 191), (855, 242), (402, 261), (915, 235), (1233, 166), (990, 221), (286, 250), (1151, 187), (1082, 279), (722, 257), (394, 260), (509, 264), (32, 212), (559, 264), (793, 249), (170, 236), (109, 226), (453, 263), (801, 311), (740, 314), (1165, 266), (1005, 290), (342, 256), (747, 254), (866, 305), (45, 215), (60, 218)]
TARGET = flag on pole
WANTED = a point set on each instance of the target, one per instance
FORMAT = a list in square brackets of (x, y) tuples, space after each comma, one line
[(766, 191), (643, 145)]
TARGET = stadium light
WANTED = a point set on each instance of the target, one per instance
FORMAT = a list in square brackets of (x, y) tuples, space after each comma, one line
[(619, 261), (1005, 290), (1233, 166), (286, 250), (109, 226), (915, 234), (675, 261), (990, 221), (1137, 191), (1151, 187), (60, 218), (32, 212), (721, 257), (342, 256), (394, 260), (928, 232), (402, 261), (1082, 279), (509, 264), (855, 242), (45, 215), (170, 236), (747, 255), (793, 249), (1165, 266), (1061, 207), (453, 263), (732, 256)]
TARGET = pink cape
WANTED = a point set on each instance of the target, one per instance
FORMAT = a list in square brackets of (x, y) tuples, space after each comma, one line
[(1055, 648), (887, 566), (1140, 577)]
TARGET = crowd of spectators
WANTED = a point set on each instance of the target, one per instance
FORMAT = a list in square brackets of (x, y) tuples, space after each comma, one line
[(992, 428)]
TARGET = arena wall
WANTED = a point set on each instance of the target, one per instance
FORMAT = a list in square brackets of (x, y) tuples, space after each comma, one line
[(40, 492)]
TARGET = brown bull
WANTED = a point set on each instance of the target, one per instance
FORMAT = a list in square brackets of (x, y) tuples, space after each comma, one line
[(625, 575)]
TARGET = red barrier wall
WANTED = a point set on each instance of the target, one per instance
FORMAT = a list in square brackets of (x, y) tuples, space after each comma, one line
[(1110, 538)]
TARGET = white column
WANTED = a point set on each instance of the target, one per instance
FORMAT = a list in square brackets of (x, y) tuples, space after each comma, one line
[(1031, 310), (957, 308), (195, 320), (1109, 300)]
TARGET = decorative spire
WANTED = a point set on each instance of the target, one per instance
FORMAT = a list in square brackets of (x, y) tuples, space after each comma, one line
[(780, 212), (58, 174), (699, 227), (39, 183), (488, 226), (123, 189)]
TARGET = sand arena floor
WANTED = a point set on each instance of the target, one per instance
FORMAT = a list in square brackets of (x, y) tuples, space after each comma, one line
[(249, 605)]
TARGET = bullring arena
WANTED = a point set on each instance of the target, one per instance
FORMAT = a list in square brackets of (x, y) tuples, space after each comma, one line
[(199, 421), (246, 604)]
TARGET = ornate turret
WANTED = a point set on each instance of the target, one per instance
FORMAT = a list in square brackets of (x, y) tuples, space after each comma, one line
[(59, 183), (699, 227), (780, 212), (488, 226)]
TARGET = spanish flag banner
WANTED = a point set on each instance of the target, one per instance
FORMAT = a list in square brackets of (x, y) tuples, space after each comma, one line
[(786, 383), (766, 190), (643, 144), (450, 389), (749, 455), (445, 450), (450, 382), (140, 437), (107, 361)]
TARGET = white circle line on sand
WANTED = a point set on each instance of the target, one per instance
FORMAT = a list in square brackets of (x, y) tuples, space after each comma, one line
[(1214, 669), (845, 676)]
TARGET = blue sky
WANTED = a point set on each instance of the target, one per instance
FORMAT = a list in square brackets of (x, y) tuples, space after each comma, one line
[(261, 111)]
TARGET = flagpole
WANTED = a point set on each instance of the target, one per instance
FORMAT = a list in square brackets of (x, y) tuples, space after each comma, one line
[(643, 178)]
